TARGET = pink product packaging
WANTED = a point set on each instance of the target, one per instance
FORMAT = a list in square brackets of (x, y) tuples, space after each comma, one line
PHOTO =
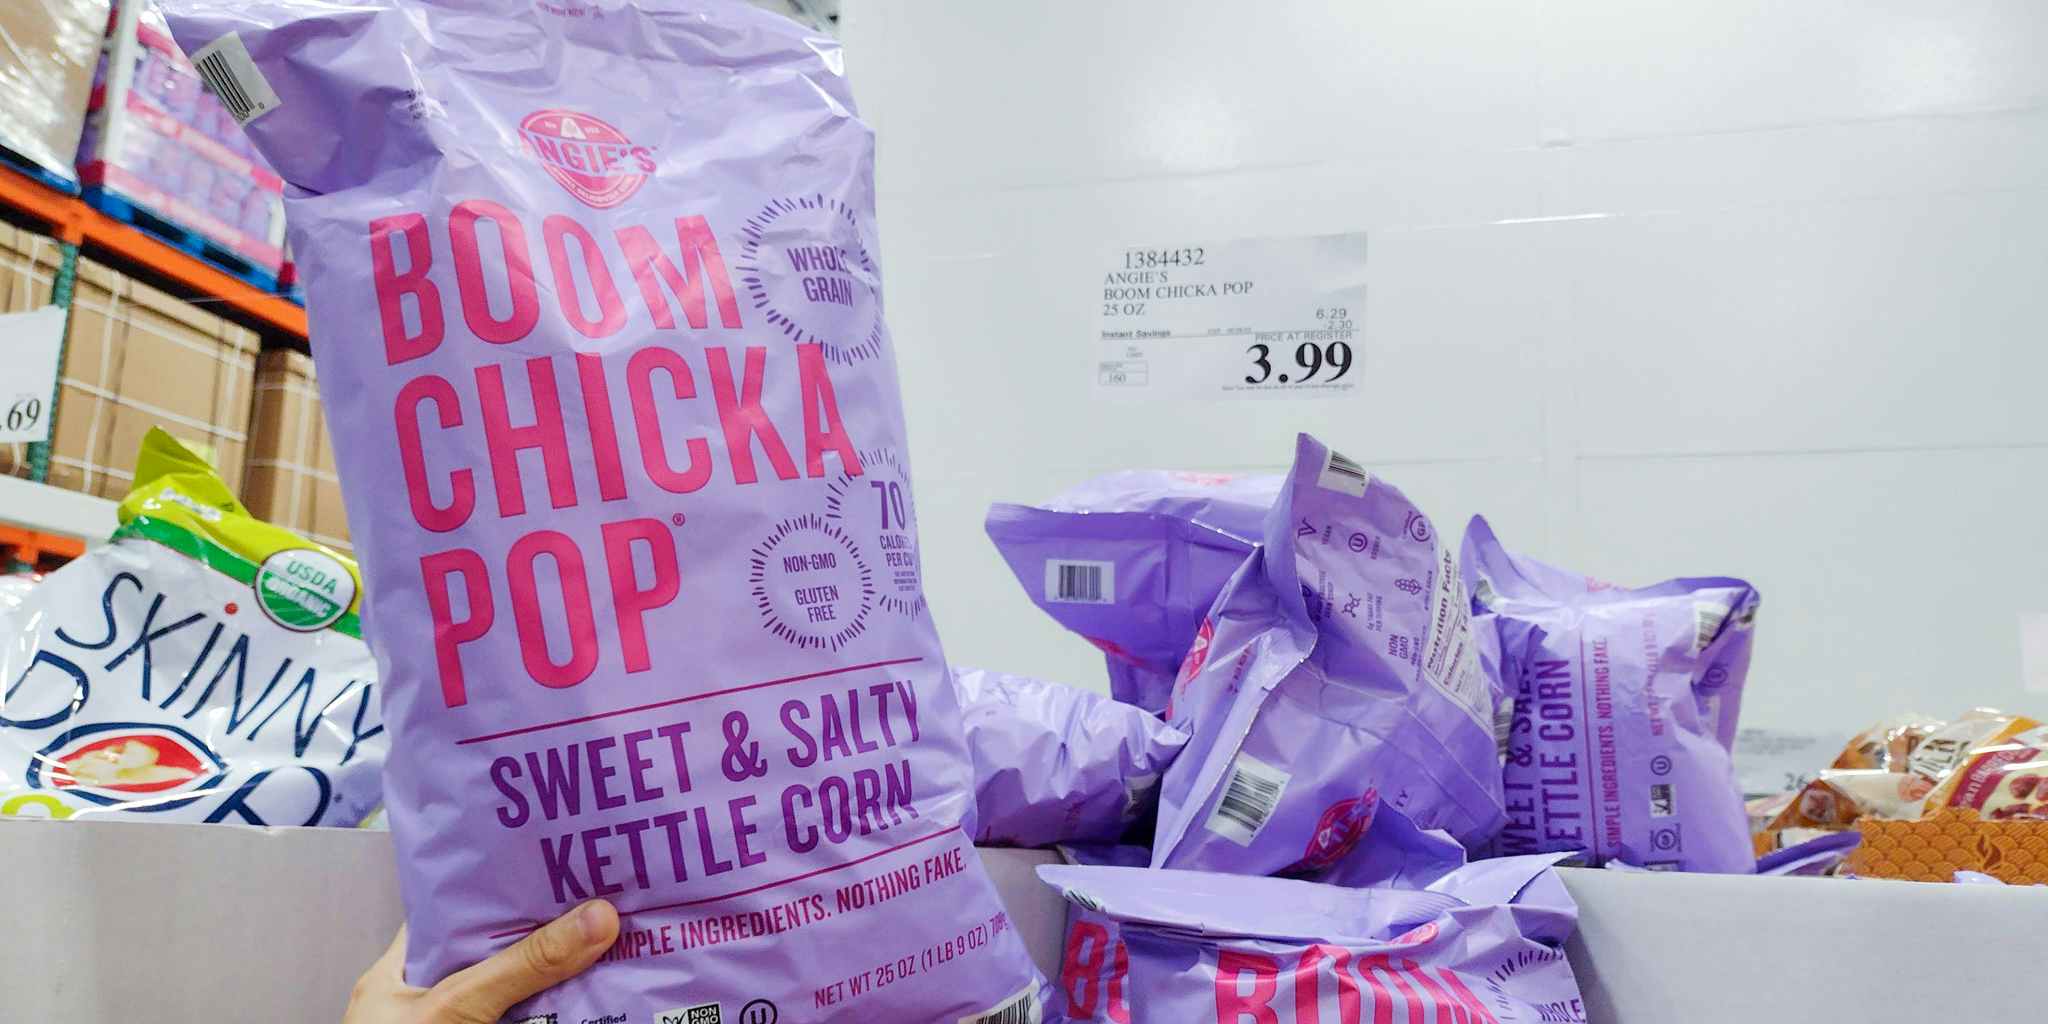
[(1056, 764), (1131, 562), (598, 321), (1626, 701), (1482, 944), (1336, 674), (165, 143)]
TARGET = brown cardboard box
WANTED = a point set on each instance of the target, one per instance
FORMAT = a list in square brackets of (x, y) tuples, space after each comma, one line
[(28, 267), (46, 65), (289, 478), (136, 358)]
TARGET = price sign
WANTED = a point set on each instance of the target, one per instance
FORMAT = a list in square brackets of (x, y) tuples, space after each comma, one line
[(29, 345), (1253, 318)]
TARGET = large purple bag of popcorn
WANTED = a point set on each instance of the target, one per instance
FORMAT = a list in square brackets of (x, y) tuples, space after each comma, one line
[(1132, 560), (599, 326), (1625, 711), (1055, 764), (1483, 944), (1336, 672)]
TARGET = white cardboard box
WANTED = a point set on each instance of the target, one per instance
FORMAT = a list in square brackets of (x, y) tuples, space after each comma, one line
[(212, 924)]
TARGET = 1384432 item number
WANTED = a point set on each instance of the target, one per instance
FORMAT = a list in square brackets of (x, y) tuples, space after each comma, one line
[(1146, 259), (1310, 359)]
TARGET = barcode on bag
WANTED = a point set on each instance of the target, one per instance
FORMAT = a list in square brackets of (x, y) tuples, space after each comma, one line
[(1080, 582), (229, 74), (1342, 475), (1249, 800), (1021, 1008), (1706, 624)]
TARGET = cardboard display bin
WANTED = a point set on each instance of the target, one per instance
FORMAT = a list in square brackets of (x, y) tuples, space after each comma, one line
[(219, 923)]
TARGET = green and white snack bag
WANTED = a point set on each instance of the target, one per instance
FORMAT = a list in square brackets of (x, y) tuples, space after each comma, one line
[(202, 666)]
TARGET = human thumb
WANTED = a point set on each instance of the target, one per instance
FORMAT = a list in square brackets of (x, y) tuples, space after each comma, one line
[(552, 954)]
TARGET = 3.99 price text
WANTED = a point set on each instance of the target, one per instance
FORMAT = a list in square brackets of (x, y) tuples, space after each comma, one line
[(1309, 360)]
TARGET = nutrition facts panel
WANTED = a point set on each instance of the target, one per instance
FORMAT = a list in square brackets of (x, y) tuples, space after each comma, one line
[(1251, 318)]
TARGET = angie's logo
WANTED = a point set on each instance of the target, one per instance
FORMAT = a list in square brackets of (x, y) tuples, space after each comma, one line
[(594, 161), (1339, 830)]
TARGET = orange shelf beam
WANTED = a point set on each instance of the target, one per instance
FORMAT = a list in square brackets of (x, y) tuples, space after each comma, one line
[(70, 220), (34, 548)]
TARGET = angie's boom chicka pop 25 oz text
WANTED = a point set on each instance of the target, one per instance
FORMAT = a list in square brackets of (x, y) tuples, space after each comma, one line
[(599, 327)]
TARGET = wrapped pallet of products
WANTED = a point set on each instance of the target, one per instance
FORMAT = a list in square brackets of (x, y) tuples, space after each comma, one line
[(289, 477), (47, 52), (136, 358), (163, 153)]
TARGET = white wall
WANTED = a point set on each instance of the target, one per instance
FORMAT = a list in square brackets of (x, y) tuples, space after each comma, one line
[(1690, 287)]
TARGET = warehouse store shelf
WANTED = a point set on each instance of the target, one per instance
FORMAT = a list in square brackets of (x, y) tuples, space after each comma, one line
[(71, 221), (43, 509)]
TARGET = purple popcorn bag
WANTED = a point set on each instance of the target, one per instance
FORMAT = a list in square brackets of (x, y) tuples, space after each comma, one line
[(599, 327), (1053, 764), (1625, 711), (1336, 672), (1131, 561), (1480, 945)]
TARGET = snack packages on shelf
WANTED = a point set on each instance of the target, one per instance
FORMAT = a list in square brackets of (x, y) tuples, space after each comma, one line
[(1925, 799), (1484, 942), (1055, 764), (1904, 768), (160, 143), (1338, 671), (1131, 561), (203, 666), (639, 531), (1626, 702)]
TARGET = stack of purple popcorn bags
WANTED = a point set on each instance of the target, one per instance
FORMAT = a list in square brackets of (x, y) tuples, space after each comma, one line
[(649, 513), (158, 140), (1369, 704)]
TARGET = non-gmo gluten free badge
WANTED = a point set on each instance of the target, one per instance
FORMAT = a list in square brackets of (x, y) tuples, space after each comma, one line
[(303, 589), (812, 583), (806, 267)]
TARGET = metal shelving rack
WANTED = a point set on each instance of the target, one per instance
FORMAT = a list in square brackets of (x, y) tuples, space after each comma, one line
[(54, 520)]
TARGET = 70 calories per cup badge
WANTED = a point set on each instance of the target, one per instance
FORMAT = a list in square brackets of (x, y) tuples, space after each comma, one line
[(808, 271), (875, 507)]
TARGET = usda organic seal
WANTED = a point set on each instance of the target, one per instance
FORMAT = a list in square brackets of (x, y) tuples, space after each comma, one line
[(303, 589)]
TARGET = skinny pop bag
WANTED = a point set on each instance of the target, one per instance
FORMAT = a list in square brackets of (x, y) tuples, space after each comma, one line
[(1483, 943), (598, 323), (1625, 711), (1131, 561), (1336, 671), (202, 666), (1054, 764)]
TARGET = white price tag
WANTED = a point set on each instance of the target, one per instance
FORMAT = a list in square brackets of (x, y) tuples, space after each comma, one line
[(29, 345), (1254, 318)]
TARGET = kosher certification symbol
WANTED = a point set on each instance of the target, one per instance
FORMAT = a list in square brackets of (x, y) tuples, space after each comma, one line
[(875, 507), (811, 583), (805, 267)]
